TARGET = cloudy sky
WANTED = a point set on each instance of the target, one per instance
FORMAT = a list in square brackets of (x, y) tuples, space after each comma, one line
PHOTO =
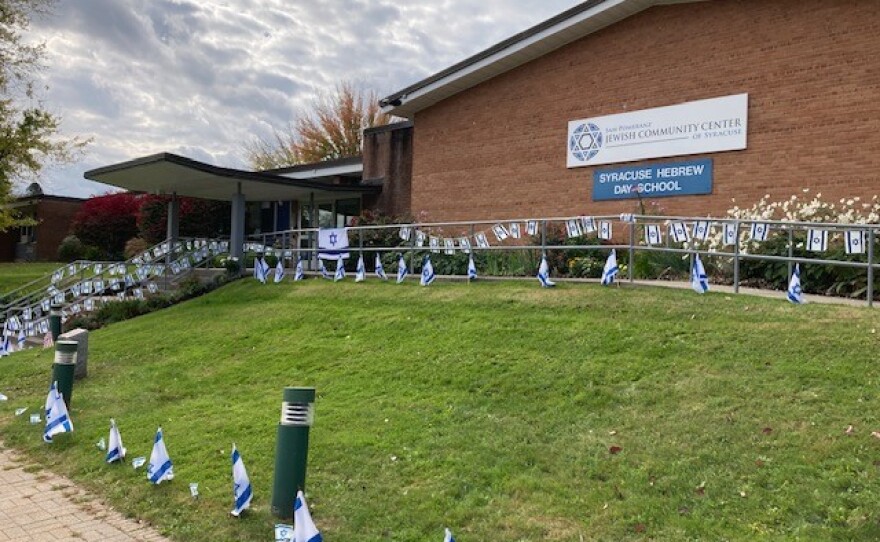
[(201, 77)]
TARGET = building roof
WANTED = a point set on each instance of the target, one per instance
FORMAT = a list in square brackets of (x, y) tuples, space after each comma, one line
[(167, 173), (582, 20)]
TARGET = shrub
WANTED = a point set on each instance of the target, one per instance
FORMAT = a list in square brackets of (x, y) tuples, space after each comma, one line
[(198, 218), (70, 249), (107, 222)]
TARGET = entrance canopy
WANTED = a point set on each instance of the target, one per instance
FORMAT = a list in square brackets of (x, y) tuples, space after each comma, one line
[(167, 173)]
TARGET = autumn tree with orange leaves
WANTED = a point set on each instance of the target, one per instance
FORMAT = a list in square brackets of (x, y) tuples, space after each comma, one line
[(333, 128)]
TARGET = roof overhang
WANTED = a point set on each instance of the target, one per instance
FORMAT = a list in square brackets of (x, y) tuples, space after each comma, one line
[(578, 22), (167, 173)]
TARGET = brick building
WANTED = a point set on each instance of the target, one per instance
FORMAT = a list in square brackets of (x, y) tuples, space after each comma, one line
[(491, 133), (53, 215)]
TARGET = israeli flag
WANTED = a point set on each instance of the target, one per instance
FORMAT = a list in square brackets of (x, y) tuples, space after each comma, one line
[(360, 274), (699, 279), (515, 231), (340, 270), (405, 233), (573, 228), (448, 536), (544, 273), (5, 345), (21, 339), (160, 468), (264, 270), (464, 245), (855, 242), (324, 273), (472, 268), (116, 451), (482, 240), (532, 227), (401, 269), (304, 529), (500, 232), (427, 272), (611, 268), (730, 234), (817, 240), (605, 230), (652, 234), (57, 419), (701, 230), (300, 273), (795, 293), (759, 231), (434, 244), (588, 224), (679, 232), (380, 271), (333, 243), (279, 270), (241, 484)]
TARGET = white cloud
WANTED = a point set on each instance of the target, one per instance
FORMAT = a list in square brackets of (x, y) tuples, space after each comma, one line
[(201, 77)]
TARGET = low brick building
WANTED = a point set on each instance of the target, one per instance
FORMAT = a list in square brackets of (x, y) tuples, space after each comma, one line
[(53, 215), (492, 134)]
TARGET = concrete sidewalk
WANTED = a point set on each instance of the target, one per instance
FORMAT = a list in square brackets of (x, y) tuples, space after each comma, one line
[(41, 506)]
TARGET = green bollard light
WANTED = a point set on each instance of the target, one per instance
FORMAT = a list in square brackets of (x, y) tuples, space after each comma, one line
[(55, 321), (63, 368), (292, 448)]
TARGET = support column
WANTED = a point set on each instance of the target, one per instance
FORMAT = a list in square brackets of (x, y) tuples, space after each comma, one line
[(236, 229), (173, 229)]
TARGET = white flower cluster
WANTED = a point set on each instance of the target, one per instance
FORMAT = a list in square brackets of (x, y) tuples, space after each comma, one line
[(803, 208)]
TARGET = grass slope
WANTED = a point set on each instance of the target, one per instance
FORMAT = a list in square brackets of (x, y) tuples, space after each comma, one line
[(489, 408), (13, 275)]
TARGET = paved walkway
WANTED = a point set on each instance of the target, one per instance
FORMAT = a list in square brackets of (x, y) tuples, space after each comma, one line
[(41, 506)]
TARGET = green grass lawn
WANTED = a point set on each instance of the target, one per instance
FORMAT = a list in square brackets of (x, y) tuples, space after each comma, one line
[(13, 275), (491, 408)]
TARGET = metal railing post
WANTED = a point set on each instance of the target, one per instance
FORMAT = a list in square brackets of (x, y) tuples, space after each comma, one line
[(870, 289), (632, 250), (736, 257)]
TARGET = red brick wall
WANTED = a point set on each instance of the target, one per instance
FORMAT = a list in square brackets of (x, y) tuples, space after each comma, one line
[(54, 218), (811, 68)]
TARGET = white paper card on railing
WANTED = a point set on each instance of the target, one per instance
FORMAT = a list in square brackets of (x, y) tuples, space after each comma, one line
[(817, 240)]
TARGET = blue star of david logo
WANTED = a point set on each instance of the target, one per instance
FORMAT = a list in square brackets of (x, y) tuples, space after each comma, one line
[(333, 239), (585, 142)]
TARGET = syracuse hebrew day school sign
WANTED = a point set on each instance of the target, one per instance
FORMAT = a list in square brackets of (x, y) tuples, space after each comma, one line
[(698, 127)]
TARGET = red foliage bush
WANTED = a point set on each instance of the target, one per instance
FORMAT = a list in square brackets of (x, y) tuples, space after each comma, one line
[(107, 222)]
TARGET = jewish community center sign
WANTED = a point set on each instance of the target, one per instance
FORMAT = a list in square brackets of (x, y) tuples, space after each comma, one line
[(703, 126)]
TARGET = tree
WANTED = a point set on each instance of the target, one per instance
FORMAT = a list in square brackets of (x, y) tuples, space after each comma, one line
[(107, 222), (333, 128), (28, 132), (198, 217)]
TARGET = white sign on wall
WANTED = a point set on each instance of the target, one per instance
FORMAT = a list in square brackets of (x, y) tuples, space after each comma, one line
[(713, 125)]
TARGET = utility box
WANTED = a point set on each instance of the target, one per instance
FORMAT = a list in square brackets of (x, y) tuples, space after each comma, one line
[(81, 337)]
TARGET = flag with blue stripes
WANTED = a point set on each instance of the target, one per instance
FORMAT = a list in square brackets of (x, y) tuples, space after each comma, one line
[(611, 269), (380, 271), (360, 273), (340, 270), (472, 268), (304, 529), (759, 231), (854, 241), (115, 451), (264, 270), (448, 536), (279, 270), (699, 279), (57, 418), (427, 272), (817, 240), (21, 339), (544, 273), (5, 343), (300, 273), (402, 271), (241, 484), (795, 292), (160, 468), (323, 269)]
